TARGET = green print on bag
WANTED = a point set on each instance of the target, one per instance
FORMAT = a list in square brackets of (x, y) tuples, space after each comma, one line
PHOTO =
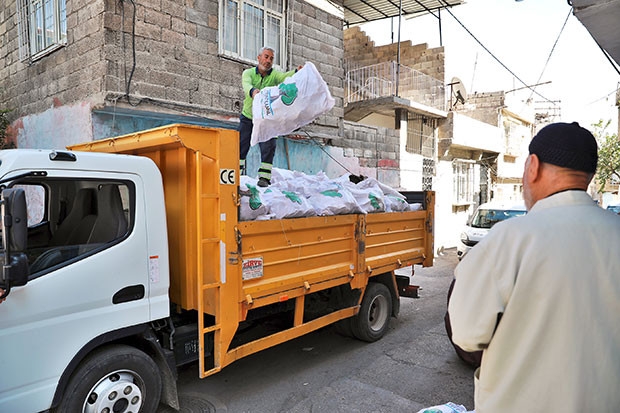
[(255, 201), (293, 197), (332, 193), (374, 201), (288, 93)]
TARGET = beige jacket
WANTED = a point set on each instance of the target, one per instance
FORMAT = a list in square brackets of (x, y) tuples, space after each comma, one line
[(554, 277)]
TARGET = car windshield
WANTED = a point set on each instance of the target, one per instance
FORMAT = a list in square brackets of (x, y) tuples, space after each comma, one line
[(486, 218), (614, 208)]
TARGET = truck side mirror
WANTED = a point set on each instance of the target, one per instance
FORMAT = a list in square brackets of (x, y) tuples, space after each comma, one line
[(14, 225), (15, 217)]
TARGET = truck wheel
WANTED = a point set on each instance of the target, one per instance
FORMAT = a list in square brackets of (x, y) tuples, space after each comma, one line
[(114, 379), (372, 321)]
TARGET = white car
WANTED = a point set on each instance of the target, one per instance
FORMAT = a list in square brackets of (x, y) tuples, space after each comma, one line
[(482, 220), (614, 208)]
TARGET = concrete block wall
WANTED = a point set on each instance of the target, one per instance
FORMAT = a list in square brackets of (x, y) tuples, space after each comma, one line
[(484, 107), (177, 67), (360, 50), (317, 37), (374, 148), (69, 74)]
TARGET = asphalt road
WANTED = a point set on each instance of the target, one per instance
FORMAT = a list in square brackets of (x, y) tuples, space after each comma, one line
[(412, 367)]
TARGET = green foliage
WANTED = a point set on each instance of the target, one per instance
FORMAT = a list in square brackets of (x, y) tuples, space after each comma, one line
[(608, 155), (4, 124)]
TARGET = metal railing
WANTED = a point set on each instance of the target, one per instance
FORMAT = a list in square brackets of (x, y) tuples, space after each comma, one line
[(380, 80)]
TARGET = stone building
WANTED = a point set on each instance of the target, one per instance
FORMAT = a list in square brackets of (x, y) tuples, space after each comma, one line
[(79, 70), (468, 149)]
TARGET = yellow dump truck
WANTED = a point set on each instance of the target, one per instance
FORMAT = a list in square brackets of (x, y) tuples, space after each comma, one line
[(162, 269)]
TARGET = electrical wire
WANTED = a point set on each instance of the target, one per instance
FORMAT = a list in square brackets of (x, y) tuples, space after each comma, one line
[(605, 97), (551, 52), (133, 50), (495, 57), (312, 139)]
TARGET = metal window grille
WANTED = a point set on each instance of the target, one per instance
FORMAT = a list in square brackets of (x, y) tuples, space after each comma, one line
[(421, 136), (249, 25), (463, 181), (428, 171), (42, 27)]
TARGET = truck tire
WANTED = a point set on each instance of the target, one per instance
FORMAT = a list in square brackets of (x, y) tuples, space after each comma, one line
[(120, 378), (373, 319)]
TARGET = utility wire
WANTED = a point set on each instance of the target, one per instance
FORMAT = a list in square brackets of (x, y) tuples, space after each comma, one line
[(605, 97), (133, 50), (326, 153), (551, 52), (494, 57)]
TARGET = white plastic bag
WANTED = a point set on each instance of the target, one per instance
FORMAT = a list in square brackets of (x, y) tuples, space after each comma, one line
[(367, 194), (287, 204), (331, 198), (299, 100), (446, 408), (252, 204)]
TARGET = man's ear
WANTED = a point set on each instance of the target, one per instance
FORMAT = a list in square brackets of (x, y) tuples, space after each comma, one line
[(533, 168)]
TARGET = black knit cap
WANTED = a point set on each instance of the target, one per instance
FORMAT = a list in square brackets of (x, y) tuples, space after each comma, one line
[(567, 145)]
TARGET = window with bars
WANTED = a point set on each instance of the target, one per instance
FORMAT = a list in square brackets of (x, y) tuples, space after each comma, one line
[(42, 27), (463, 181), (421, 136), (249, 25)]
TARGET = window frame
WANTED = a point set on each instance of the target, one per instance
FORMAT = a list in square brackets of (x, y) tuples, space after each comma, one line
[(240, 35), (35, 17), (463, 185), (128, 194)]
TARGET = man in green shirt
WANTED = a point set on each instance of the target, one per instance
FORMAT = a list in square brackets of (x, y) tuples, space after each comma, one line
[(253, 80)]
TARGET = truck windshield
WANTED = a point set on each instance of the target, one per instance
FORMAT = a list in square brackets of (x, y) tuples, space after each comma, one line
[(486, 218)]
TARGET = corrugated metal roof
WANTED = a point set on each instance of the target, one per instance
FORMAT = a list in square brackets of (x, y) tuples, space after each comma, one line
[(362, 11)]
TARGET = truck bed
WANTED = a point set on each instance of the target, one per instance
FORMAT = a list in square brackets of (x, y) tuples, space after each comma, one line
[(227, 268)]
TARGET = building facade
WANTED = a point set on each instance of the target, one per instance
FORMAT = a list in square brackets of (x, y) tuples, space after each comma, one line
[(79, 70)]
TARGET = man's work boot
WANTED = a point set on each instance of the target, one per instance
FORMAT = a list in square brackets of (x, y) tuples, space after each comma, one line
[(263, 182)]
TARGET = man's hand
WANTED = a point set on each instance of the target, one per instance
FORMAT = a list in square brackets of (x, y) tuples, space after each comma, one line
[(2, 292), (255, 92)]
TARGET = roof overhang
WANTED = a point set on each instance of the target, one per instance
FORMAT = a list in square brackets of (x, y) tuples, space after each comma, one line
[(600, 18), (387, 106), (363, 11)]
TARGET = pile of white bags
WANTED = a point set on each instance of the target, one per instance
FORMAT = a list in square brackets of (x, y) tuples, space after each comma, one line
[(294, 194)]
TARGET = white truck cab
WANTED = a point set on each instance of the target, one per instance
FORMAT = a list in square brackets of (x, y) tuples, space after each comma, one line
[(100, 258)]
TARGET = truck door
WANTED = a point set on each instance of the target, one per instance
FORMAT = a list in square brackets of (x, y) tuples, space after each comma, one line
[(88, 277)]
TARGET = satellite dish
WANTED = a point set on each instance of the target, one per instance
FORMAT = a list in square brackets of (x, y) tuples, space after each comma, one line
[(458, 93)]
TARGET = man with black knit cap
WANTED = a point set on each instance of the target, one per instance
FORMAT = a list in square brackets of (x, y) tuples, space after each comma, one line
[(540, 294)]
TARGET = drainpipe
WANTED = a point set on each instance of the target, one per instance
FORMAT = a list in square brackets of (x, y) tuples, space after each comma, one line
[(400, 12)]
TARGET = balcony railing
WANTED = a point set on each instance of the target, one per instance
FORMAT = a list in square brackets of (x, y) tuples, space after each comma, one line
[(380, 80)]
